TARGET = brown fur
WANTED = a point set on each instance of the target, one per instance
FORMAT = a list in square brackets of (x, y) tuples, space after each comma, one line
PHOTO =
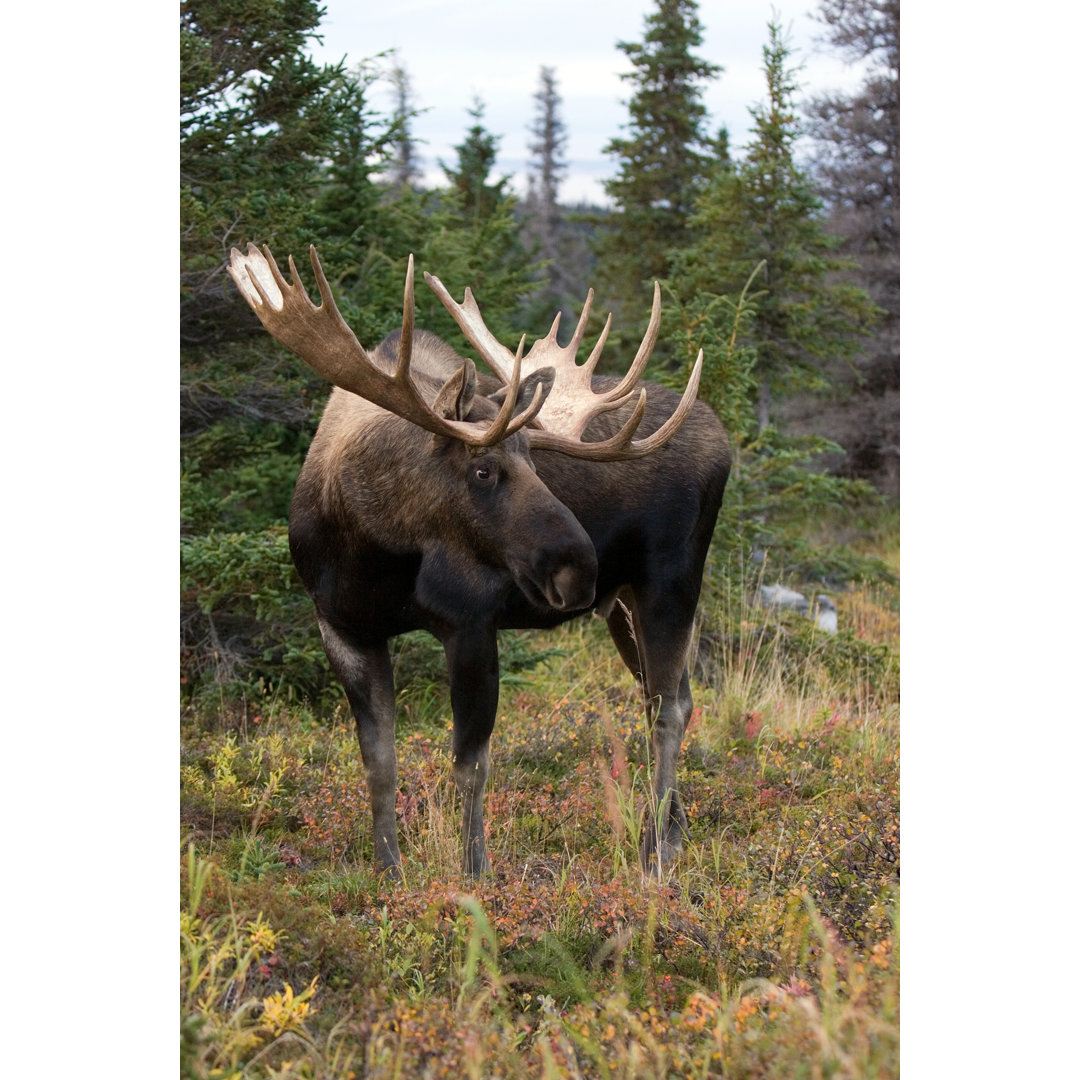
[(393, 528)]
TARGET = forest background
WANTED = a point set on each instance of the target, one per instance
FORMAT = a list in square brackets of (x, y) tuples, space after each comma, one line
[(129, 379), (799, 274)]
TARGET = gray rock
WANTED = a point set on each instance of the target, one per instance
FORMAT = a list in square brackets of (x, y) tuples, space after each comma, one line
[(826, 614), (822, 610)]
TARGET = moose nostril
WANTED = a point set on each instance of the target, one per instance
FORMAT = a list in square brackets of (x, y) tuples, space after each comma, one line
[(571, 589)]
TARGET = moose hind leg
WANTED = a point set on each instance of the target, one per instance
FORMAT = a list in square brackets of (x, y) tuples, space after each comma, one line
[(473, 660), (368, 677), (661, 631)]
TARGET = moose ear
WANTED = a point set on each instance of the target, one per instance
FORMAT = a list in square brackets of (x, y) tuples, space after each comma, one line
[(455, 398), (544, 376)]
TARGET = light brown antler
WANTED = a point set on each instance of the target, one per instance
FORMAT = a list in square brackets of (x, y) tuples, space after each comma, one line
[(571, 403), (324, 341)]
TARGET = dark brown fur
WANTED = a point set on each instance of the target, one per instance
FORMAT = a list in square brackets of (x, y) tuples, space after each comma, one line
[(394, 529)]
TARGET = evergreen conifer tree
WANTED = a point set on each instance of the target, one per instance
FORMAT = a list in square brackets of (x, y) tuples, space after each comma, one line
[(350, 194), (764, 209), (475, 159), (404, 171), (663, 159), (470, 235), (273, 149), (257, 118), (543, 218)]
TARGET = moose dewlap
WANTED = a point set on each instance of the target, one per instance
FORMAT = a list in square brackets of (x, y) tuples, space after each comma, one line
[(439, 499)]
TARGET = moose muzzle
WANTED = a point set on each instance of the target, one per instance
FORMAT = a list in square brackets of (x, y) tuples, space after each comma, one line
[(557, 566)]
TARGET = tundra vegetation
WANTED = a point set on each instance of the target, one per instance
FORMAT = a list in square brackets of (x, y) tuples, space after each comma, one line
[(771, 949)]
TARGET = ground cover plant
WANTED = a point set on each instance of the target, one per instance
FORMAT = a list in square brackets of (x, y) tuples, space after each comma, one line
[(771, 949)]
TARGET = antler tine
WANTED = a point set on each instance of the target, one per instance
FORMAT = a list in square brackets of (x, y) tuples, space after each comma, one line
[(326, 294), (529, 413), (506, 424), (408, 320), (248, 281), (467, 315), (322, 338), (293, 273), (674, 421), (579, 330), (648, 342), (594, 357), (619, 446), (277, 275)]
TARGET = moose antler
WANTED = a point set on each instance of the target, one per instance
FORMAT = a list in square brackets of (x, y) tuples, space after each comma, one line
[(324, 341), (571, 403)]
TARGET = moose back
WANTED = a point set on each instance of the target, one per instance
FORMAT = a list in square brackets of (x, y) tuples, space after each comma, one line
[(438, 499)]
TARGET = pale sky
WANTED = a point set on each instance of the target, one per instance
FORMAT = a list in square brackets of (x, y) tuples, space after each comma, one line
[(454, 52)]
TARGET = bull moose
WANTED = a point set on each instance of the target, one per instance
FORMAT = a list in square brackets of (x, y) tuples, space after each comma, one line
[(437, 498)]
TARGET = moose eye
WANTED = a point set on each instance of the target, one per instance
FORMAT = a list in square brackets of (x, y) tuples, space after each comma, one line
[(485, 475)]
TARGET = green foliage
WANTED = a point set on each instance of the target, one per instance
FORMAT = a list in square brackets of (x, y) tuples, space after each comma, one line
[(238, 476), (467, 234), (720, 327), (247, 624), (483, 253), (476, 198), (254, 859), (662, 161), (836, 566), (763, 210), (348, 205), (775, 486), (224, 566), (755, 294), (256, 119), (771, 491)]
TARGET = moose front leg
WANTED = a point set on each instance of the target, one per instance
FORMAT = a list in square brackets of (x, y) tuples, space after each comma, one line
[(368, 677), (473, 659)]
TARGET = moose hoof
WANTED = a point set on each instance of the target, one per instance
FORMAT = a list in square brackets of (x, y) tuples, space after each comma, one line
[(390, 872), (475, 868), (658, 852), (656, 859)]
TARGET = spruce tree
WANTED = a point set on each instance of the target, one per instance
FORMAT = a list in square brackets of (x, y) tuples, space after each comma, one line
[(475, 159), (273, 149), (663, 158), (257, 118), (764, 209), (547, 167), (350, 193), (469, 235), (404, 171)]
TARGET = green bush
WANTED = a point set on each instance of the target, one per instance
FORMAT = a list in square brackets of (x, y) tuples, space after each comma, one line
[(247, 626)]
